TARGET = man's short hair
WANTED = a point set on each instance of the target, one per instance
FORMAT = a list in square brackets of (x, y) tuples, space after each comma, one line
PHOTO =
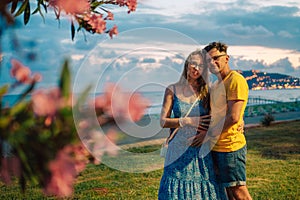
[(222, 47)]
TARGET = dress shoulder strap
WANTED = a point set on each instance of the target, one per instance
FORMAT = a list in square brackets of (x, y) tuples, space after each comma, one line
[(174, 89)]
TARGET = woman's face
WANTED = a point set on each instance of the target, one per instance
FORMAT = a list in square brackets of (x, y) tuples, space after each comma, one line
[(195, 67)]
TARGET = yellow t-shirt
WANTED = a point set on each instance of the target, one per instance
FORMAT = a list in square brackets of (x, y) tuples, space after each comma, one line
[(233, 87)]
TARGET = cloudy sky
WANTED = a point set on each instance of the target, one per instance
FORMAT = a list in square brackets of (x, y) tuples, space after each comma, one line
[(152, 43)]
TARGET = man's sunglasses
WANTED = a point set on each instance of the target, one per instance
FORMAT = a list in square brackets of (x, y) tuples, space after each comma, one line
[(215, 57)]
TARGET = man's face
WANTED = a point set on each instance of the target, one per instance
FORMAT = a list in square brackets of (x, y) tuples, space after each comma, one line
[(216, 60)]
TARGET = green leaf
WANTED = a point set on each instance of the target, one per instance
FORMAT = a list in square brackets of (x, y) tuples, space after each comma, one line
[(27, 13), (38, 9), (18, 108), (22, 8), (29, 174), (83, 97), (14, 5), (3, 90), (72, 30), (96, 4), (42, 15), (43, 4), (4, 122), (65, 80), (45, 135), (26, 92)]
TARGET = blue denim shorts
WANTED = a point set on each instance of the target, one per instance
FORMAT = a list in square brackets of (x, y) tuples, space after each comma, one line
[(231, 167)]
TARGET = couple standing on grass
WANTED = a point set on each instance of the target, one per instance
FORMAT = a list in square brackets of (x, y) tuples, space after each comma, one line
[(206, 159)]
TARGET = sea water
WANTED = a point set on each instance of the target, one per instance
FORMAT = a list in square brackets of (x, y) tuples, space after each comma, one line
[(156, 97), (282, 95)]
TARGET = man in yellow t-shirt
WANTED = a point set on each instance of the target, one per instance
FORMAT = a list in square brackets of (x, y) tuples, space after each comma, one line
[(228, 102)]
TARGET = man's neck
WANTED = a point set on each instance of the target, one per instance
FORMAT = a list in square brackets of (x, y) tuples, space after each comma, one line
[(225, 72)]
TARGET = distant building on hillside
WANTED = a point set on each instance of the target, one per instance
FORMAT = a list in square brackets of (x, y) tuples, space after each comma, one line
[(258, 80)]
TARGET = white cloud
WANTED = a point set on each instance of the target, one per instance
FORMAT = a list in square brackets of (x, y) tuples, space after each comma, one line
[(189, 18), (242, 31), (175, 9), (77, 57), (285, 34), (265, 54)]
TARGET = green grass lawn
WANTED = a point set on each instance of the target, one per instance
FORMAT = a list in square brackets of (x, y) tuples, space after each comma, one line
[(272, 169)]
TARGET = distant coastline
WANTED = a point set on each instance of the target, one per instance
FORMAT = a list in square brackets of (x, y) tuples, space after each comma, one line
[(276, 88), (258, 80)]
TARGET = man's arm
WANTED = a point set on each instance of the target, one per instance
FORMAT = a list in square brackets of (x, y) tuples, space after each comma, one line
[(234, 109)]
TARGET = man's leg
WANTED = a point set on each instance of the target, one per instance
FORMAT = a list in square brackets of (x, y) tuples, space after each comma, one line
[(232, 173)]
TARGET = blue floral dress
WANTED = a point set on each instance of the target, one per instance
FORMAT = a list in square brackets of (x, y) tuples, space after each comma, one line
[(188, 175)]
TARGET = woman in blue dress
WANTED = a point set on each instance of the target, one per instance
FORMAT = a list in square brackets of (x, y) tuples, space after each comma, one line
[(188, 169)]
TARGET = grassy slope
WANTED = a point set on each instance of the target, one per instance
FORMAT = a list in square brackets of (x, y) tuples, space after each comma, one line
[(272, 169)]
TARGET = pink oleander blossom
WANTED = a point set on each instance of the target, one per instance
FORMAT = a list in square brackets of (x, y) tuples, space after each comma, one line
[(120, 104), (68, 163), (104, 101), (137, 106), (121, 2), (37, 77), (110, 16), (112, 93), (101, 102), (131, 4), (63, 173), (80, 157), (22, 73), (45, 103), (113, 31), (96, 21), (71, 6)]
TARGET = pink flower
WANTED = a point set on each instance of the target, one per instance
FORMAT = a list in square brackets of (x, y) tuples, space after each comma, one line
[(102, 102), (113, 31), (97, 22), (137, 106), (22, 73), (63, 174), (119, 104), (110, 16), (80, 157), (115, 101), (131, 4), (69, 162), (45, 103), (120, 2), (70, 6), (37, 77)]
